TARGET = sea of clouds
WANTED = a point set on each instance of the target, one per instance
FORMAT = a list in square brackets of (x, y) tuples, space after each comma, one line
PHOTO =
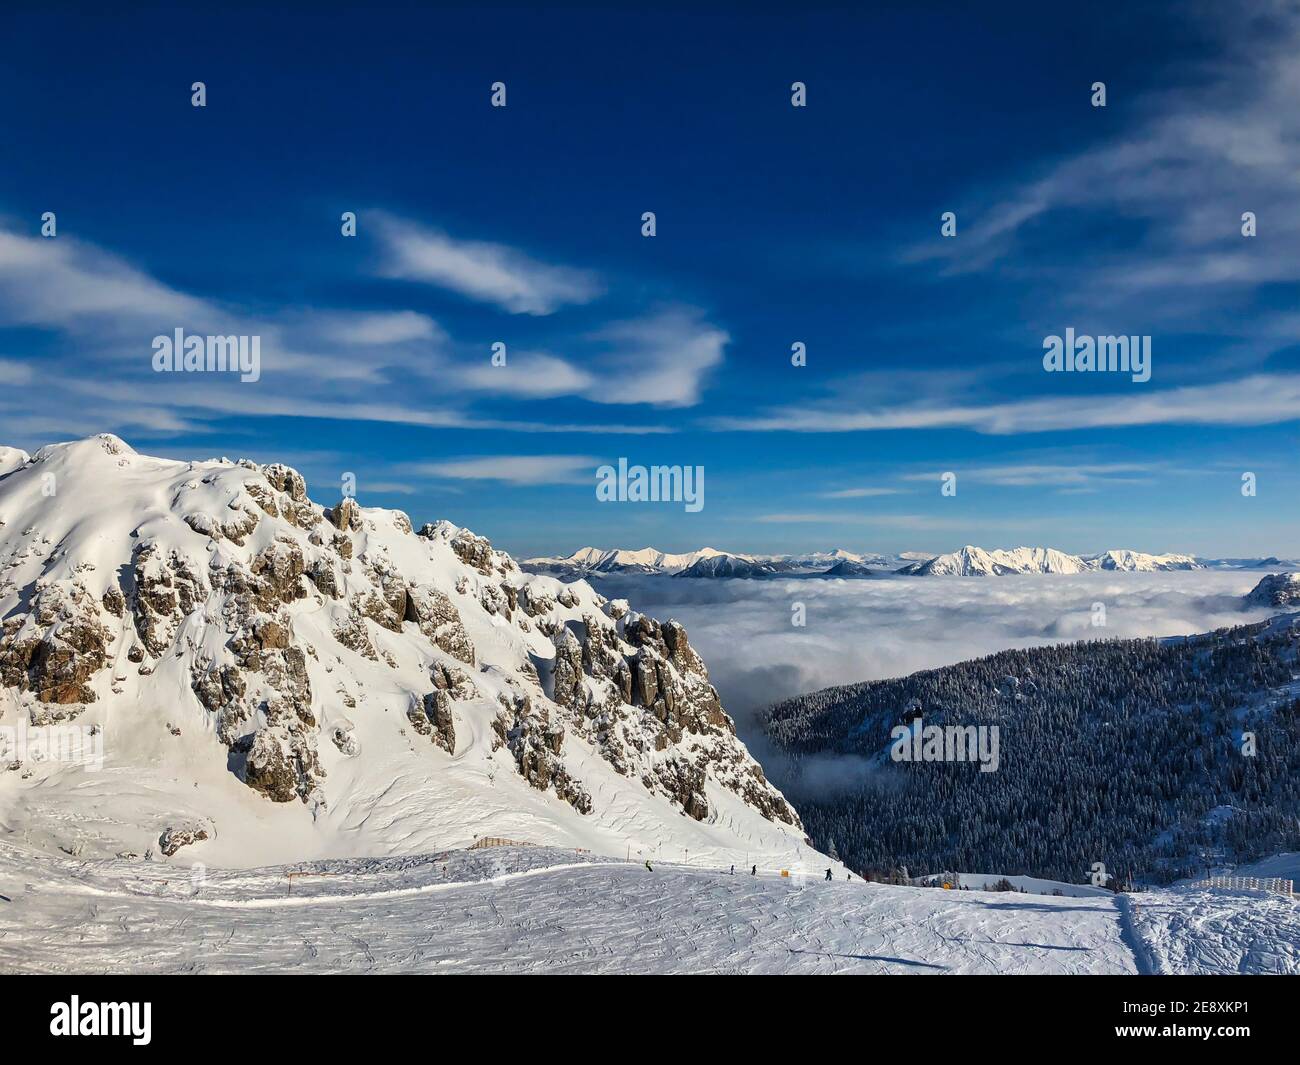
[(888, 627)]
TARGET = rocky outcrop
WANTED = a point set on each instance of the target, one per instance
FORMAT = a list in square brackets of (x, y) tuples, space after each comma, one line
[(436, 616), (536, 743), (345, 515), (281, 764), (178, 836), (55, 649), (272, 610)]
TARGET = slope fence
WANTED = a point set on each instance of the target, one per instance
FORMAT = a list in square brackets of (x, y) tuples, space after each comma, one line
[(1248, 883)]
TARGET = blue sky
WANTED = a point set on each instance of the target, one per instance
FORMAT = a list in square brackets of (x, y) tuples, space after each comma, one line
[(776, 224)]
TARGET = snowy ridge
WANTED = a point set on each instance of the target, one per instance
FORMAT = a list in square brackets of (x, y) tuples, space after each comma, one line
[(706, 562), (275, 681), (973, 561), (969, 561), (12, 458), (595, 560)]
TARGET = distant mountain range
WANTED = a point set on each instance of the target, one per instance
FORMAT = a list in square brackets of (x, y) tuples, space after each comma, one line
[(976, 562), (706, 562), (970, 561)]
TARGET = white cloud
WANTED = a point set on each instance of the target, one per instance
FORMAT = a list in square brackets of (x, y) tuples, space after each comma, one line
[(63, 282), (1049, 474), (493, 273), (535, 374), (394, 327), (886, 521), (1177, 179), (662, 359), (742, 628), (515, 469), (329, 364), (1261, 399), (15, 373), (862, 493)]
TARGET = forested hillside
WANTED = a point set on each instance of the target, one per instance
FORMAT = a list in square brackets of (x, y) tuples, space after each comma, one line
[(1126, 752)]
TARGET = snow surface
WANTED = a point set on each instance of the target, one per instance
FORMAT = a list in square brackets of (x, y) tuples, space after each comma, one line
[(547, 910), (12, 458), (529, 910), (1031, 884), (1216, 931)]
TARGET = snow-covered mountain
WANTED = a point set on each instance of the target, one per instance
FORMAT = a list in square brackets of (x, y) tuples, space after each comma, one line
[(595, 561), (729, 566), (970, 561), (976, 562), (1138, 562), (11, 458), (1271, 562), (706, 562), (1277, 589), (820, 560), (284, 681), (848, 568)]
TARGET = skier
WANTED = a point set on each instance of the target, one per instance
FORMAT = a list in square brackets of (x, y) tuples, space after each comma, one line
[(648, 866), (733, 870), (828, 874), (754, 871)]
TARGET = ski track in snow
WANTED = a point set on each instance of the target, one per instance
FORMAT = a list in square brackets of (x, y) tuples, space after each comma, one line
[(548, 910), (1219, 931), (530, 910)]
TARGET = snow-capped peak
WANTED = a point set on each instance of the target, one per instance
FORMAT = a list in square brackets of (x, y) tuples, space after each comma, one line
[(1277, 589), (973, 561), (275, 680), (596, 560)]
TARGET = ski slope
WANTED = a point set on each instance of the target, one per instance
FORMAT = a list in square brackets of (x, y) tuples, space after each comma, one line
[(1217, 931), (527, 909)]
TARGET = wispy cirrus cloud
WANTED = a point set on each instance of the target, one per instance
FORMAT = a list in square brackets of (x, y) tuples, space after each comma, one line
[(513, 469), (865, 492), (14, 373), (1030, 474), (528, 374), (382, 328), (663, 359), (1260, 399), (67, 283), (884, 521), (491, 273), (335, 364), (1178, 178)]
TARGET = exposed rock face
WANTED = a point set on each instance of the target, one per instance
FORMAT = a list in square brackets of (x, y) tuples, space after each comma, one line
[(270, 610), (280, 763), (437, 618), (345, 515), (178, 836)]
